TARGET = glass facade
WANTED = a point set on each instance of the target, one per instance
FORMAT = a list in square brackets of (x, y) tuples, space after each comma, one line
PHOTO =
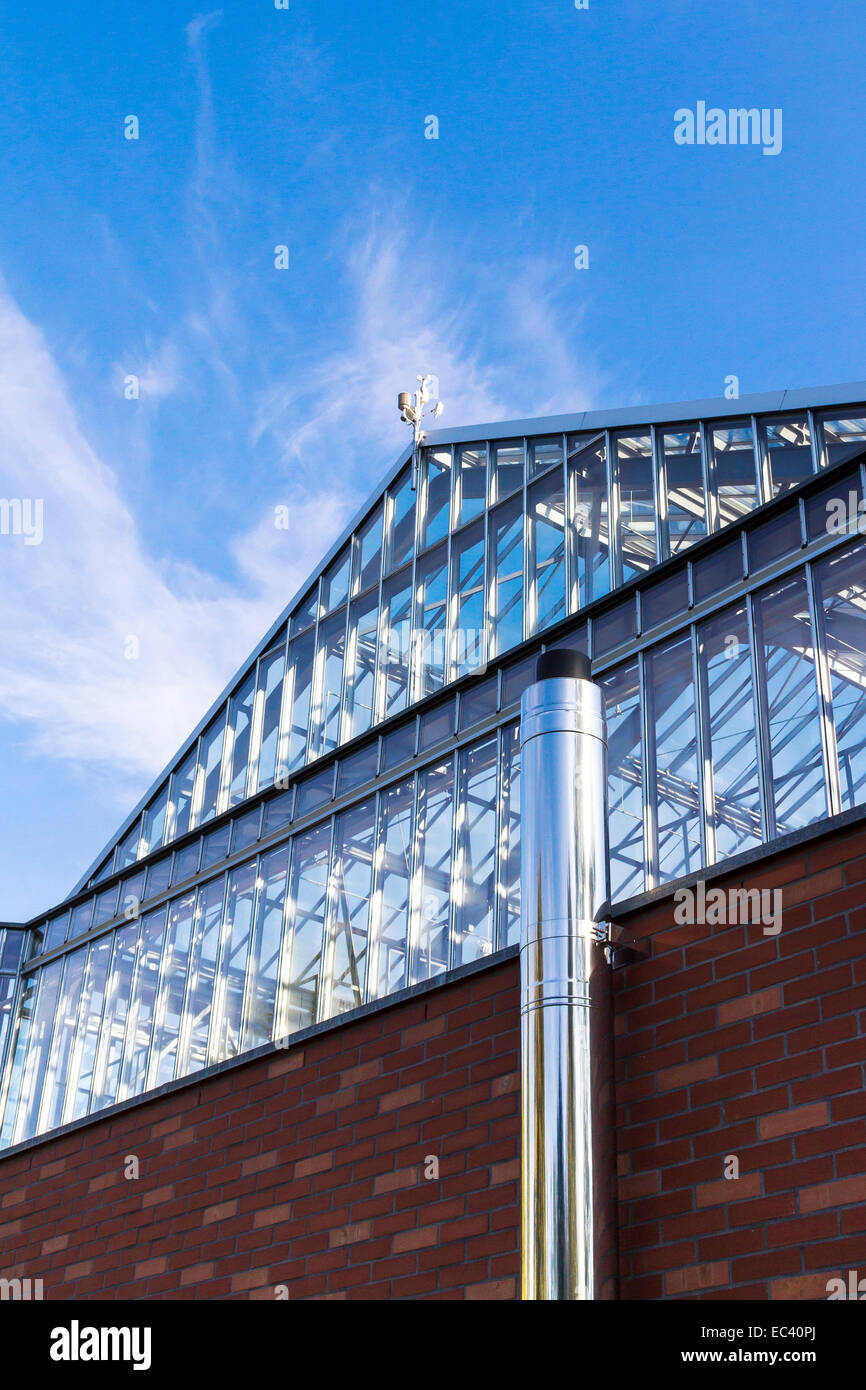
[(735, 690)]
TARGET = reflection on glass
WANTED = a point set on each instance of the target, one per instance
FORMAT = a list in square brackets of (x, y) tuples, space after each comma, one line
[(506, 571), (587, 483), (394, 643), (393, 865), (211, 764), (431, 615), (546, 506), (470, 482), (687, 519), (624, 782), (509, 838), (637, 522), (87, 1037), (400, 527), (141, 1008), (241, 719), (674, 787), (225, 1038), (301, 652), (790, 449), (307, 897), (359, 703), (264, 967), (154, 822), (172, 986), (734, 468), (51, 1111), (38, 1053), (202, 969), (110, 1053), (506, 470), (844, 437), (182, 788), (840, 585), (433, 901), (475, 864), (468, 645), (335, 582), (368, 553), (787, 665), (270, 696), (349, 911), (544, 454), (726, 673), (437, 496)]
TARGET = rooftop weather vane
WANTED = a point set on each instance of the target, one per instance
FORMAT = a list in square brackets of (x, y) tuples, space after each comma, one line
[(412, 411)]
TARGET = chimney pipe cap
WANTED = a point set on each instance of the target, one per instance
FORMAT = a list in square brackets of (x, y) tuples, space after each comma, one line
[(563, 662)]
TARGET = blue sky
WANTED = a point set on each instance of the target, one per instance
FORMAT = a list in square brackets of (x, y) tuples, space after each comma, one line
[(258, 387)]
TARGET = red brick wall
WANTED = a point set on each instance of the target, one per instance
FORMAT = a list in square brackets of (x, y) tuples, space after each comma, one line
[(303, 1168), (306, 1168), (732, 1042)]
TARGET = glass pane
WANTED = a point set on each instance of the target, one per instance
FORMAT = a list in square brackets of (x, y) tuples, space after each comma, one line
[(840, 586), (471, 466), (437, 490), (131, 895), (844, 438), (264, 967), (308, 896), (335, 582), (314, 792), (479, 703), (544, 454), (51, 1113), (634, 477), (172, 988), (790, 448), (674, 785), (10, 957), (687, 519), (836, 510), (37, 1055), (193, 1050), (393, 870), (436, 725), (360, 768), (612, 629), (431, 623), (401, 523), (185, 863), (307, 611), (351, 882), (56, 932), (516, 679), (7, 997), (361, 666), (81, 919), (113, 1034), (546, 504), (775, 538), (105, 906), (718, 571), (325, 724), (474, 883), (270, 694), (394, 641), (624, 782), (241, 719), (398, 746), (726, 670), (154, 822), (506, 566), (182, 787), (21, 1040), (506, 470), (433, 903), (468, 645), (301, 654), (158, 877), (87, 1037), (229, 998), (134, 1069), (368, 553), (786, 663), (734, 456), (215, 846), (587, 473), (245, 830), (211, 762), (128, 849), (509, 839), (660, 603), (278, 812)]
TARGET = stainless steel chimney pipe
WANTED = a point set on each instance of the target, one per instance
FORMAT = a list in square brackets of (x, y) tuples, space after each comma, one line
[(568, 1158)]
